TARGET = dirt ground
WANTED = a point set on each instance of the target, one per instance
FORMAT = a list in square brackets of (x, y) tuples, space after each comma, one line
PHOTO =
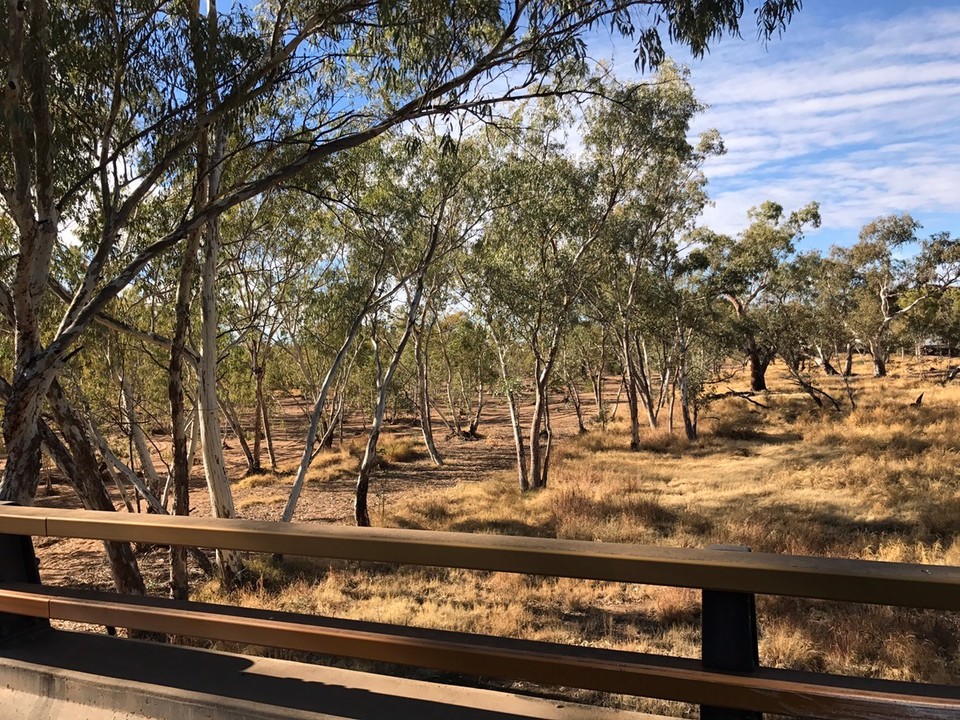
[(81, 563)]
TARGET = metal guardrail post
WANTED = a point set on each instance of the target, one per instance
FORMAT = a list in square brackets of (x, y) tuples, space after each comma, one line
[(729, 639), (18, 563)]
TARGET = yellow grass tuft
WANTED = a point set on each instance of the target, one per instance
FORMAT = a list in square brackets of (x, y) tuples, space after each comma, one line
[(400, 450), (257, 480), (268, 500)]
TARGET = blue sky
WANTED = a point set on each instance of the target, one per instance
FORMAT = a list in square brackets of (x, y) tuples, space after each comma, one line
[(857, 106)]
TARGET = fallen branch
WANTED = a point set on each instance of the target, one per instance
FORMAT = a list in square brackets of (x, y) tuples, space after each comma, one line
[(742, 394)]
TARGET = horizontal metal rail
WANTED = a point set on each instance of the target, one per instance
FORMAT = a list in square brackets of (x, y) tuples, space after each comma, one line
[(859, 581), (775, 691)]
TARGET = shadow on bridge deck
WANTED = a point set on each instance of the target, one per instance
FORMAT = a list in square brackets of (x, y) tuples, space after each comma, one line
[(54, 675)]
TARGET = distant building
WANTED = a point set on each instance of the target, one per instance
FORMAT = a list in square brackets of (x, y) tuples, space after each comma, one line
[(937, 347)]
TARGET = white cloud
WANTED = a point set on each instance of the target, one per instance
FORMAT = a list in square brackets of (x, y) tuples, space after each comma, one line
[(856, 111)]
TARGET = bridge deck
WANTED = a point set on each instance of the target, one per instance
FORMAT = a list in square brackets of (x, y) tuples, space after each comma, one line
[(56, 675)]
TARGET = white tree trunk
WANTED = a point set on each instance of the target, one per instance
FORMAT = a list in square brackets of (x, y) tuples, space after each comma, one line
[(221, 499), (421, 343), (518, 443)]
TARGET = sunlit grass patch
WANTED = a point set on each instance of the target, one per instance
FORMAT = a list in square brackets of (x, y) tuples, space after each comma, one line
[(268, 500)]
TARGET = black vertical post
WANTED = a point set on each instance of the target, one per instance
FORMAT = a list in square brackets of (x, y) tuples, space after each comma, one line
[(18, 564), (729, 639)]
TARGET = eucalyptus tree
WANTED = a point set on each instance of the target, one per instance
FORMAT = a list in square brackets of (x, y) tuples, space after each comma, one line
[(428, 203), (793, 321), (938, 275), (938, 262), (747, 268), (694, 333), (265, 255), (350, 280), (937, 321), (889, 284), (320, 325), (467, 363), (827, 289), (881, 278), (651, 174), (63, 435), (536, 256), (589, 347)]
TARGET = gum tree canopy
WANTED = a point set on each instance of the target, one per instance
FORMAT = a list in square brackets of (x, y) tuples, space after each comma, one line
[(110, 107)]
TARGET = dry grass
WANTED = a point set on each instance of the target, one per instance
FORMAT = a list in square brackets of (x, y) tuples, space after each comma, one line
[(269, 500), (335, 464), (400, 450), (882, 482), (331, 465), (327, 465), (257, 480)]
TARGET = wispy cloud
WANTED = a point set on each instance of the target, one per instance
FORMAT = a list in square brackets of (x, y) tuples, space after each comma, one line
[(855, 110)]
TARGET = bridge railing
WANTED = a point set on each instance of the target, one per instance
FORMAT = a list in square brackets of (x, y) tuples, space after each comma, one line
[(727, 681)]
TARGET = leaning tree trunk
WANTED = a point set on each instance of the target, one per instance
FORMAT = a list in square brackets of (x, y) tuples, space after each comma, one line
[(268, 432), (367, 464), (361, 512), (475, 421), (420, 345), (90, 487), (512, 405), (848, 363), (823, 360), (256, 450), (85, 475), (21, 435), (334, 422), (137, 435), (233, 420), (574, 394)]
